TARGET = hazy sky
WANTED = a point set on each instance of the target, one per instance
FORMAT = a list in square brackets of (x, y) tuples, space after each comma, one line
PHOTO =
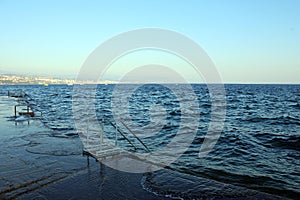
[(249, 41)]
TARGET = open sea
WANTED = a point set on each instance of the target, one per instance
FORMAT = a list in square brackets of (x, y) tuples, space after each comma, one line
[(259, 147)]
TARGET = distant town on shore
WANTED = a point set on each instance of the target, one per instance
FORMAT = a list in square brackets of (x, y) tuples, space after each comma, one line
[(37, 80)]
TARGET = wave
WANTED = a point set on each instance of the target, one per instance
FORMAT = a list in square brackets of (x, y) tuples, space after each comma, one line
[(178, 185), (290, 142), (282, 120), (279, 140)]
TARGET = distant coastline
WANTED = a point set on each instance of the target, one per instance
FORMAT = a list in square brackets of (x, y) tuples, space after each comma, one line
[(12, 79), (39, 80)]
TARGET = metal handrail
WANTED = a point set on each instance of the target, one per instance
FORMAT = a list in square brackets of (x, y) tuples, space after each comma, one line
[(115, 126), (122, 133), (135, 136), (16, 93)]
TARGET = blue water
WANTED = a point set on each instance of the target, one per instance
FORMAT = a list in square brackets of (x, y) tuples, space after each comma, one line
[(259, 147)]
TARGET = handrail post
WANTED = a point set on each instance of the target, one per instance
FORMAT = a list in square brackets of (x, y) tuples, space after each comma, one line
[(116, 138), (87, 132), (102, 130)]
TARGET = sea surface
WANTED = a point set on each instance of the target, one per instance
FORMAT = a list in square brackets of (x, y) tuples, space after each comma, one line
[(259, 147)]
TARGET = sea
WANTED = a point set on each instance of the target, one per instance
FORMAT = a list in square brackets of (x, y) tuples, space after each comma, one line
[(258, 147)]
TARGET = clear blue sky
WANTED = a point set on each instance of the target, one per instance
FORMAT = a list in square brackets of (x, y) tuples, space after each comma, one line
[(250, 41)]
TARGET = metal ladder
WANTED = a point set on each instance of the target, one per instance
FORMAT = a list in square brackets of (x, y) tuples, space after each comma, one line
[(26, 109), (101, 150)]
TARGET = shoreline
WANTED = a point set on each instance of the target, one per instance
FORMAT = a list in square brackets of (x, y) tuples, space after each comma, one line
[(36, 165)]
